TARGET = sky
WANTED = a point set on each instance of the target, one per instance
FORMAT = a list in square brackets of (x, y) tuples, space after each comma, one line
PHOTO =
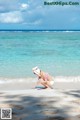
[(33, 14)]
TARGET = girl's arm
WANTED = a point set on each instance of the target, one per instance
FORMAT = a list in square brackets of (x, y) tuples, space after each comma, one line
[(38, 82)]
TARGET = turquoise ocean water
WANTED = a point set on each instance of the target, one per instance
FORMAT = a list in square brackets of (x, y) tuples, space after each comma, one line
[(55, 52)]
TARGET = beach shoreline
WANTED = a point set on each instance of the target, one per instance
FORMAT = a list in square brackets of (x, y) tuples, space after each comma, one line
[(60, 82)]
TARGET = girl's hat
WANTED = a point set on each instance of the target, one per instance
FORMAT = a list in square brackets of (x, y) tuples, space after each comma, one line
[(36, 70)]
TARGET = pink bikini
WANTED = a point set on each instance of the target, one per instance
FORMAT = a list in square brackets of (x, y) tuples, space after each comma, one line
[(46, 77)]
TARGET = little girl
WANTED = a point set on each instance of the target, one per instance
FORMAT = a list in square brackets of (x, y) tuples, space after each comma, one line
[(43, 78)]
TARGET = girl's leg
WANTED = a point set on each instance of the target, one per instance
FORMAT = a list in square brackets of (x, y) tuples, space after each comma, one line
[(44, 84), (49, 85)]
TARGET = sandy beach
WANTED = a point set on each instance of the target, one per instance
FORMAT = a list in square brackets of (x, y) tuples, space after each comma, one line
[(28, 103)]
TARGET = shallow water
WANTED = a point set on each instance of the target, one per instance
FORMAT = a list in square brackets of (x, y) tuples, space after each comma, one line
[(55, 52)]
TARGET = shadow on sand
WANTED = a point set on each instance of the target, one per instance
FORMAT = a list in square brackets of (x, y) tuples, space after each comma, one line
[(75, 93), (37, 108)]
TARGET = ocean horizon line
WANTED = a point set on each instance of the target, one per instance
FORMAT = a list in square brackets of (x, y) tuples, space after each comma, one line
[(39, 30)]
